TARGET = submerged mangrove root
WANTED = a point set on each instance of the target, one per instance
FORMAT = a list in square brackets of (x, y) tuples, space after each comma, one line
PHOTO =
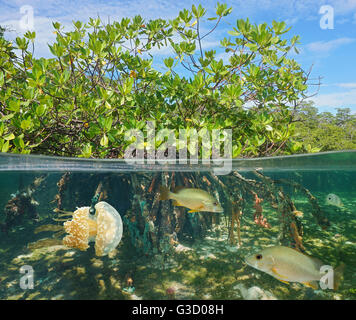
[(22, 203), (291, 229), (235, 218), (321, 219), (291, 233), (208, 219), (258, 217), (62, 185), (155, 226)]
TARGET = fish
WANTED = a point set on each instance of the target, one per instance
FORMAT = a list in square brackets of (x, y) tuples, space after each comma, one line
[(289, 265), (192, 198), (334, 200)]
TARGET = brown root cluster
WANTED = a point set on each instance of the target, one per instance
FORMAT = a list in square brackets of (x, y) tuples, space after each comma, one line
[(258, 218), (159, 225), (62, 185), (21, 204)]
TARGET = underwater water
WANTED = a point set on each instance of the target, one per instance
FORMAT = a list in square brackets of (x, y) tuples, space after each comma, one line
[(305, 202)]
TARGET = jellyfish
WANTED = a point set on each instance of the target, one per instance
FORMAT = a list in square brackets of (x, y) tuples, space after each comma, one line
[(104, 228)]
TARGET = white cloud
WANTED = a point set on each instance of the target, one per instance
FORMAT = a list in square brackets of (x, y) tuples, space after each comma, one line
[(326, 46), (351, 85), (44, 33), (224, 56), (345, 85), (293, 9), (291, 21), (344, 6), (336, 99), (342, 21)]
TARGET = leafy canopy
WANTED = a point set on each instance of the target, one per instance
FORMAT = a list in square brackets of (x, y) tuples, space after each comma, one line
[(325, 131), (102, 81)]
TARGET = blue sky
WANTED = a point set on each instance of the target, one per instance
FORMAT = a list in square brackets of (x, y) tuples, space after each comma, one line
[(331, 52)]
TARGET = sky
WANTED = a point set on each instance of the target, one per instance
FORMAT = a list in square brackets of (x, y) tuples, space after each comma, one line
[(327, 29)]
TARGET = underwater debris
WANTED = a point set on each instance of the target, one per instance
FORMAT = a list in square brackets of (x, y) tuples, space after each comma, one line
[(129, 285), (129, 289), (129, 282), (254, 293), (171, 293)]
